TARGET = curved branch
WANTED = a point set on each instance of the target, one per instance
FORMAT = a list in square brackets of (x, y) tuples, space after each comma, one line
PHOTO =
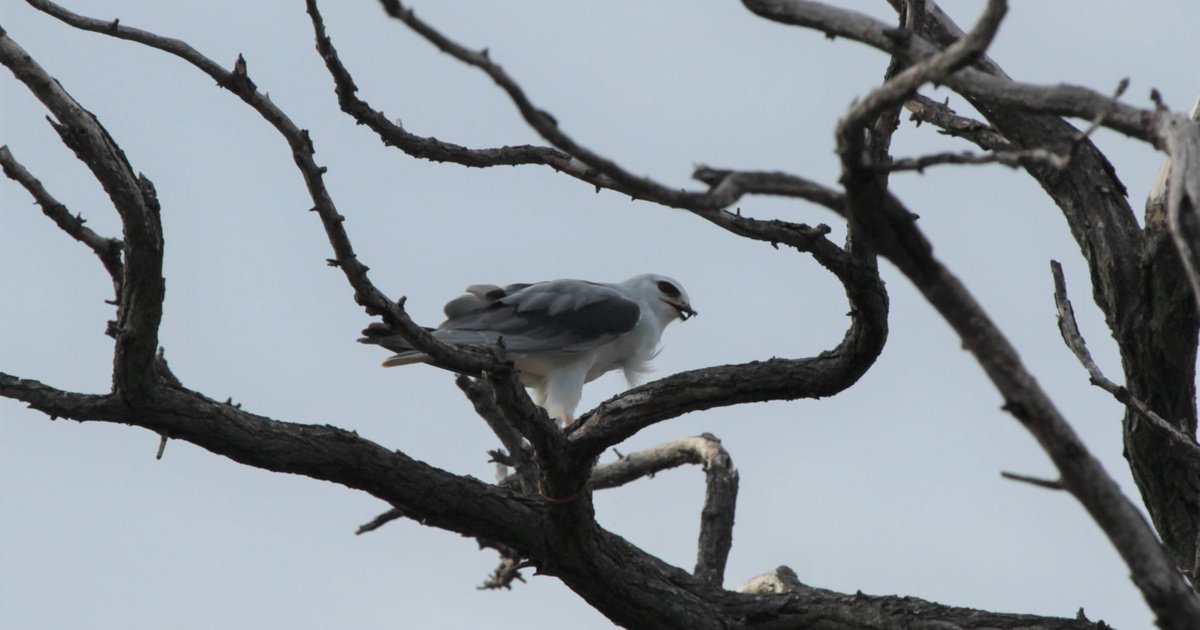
[(142, 286), (572, 160), (776, 379), (720, 497), (237, 81)]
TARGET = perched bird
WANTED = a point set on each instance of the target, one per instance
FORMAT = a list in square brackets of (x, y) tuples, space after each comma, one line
[(561, 333)]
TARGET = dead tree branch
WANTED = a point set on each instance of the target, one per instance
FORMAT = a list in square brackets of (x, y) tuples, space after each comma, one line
[(142, 288), (1138, 281), (720, 499), (108, 250), (1074, 340), (891, 231), (925, 109)]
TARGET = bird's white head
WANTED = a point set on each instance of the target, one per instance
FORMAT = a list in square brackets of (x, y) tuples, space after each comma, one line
[(664, 295)]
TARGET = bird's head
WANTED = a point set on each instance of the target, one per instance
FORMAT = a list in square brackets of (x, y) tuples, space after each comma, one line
[(664, 291)]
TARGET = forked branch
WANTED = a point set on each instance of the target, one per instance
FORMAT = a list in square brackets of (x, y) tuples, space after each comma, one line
[(720, 498), (892, 232)]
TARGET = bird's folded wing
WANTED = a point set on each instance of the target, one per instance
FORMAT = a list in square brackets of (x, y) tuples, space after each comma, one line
[(560, 315)]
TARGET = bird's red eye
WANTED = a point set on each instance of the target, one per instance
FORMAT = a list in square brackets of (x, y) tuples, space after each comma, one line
[(668, 289)]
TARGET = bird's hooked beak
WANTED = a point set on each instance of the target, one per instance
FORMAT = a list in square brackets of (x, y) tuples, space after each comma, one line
[(685, 311)]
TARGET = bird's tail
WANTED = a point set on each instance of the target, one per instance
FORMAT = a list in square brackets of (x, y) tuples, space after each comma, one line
[(380, 334), (405, 358)]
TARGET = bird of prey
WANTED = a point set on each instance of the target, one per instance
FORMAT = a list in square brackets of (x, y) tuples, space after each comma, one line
[(561, 333)]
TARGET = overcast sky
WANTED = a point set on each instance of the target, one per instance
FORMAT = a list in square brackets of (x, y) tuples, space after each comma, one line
[(892, 487)]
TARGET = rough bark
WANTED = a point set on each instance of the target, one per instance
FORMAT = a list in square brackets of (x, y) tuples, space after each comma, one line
[(1141, 286)]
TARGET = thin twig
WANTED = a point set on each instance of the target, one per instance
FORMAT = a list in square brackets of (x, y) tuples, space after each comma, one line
[(1035, 481), (568, 158), (1069, 329), (504, 574), (108, 250), (379, 521), (1007, 158)]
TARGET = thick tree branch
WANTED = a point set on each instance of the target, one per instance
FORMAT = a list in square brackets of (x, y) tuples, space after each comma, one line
[(647, 593), (1183, 191), (801, 607), (891, 231), (1153, 571), (142, 287), (1141, 286), (324, 452), (108, 250), (484, 401)]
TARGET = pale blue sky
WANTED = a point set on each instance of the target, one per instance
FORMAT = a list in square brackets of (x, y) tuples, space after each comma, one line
[(892, 487)]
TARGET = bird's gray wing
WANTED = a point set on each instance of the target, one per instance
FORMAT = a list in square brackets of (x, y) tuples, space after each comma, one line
[(477, 297), (563, 315)]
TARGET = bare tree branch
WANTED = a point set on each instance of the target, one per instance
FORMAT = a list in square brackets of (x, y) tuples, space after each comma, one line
[(1074, 340), (1011, 158), (1034, 481), (925, 109), (1183, 192), (465, 359), (866, 339), (1141, 286), (891, 231), (318, 451), (484, 400), (733, 184), (569, 158), (564, 161), (720, 500), (108, 250), (379, 521), (931, 69), (140, 309)]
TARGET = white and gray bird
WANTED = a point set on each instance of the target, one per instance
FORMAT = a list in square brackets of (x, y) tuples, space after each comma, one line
[(561, 333)]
